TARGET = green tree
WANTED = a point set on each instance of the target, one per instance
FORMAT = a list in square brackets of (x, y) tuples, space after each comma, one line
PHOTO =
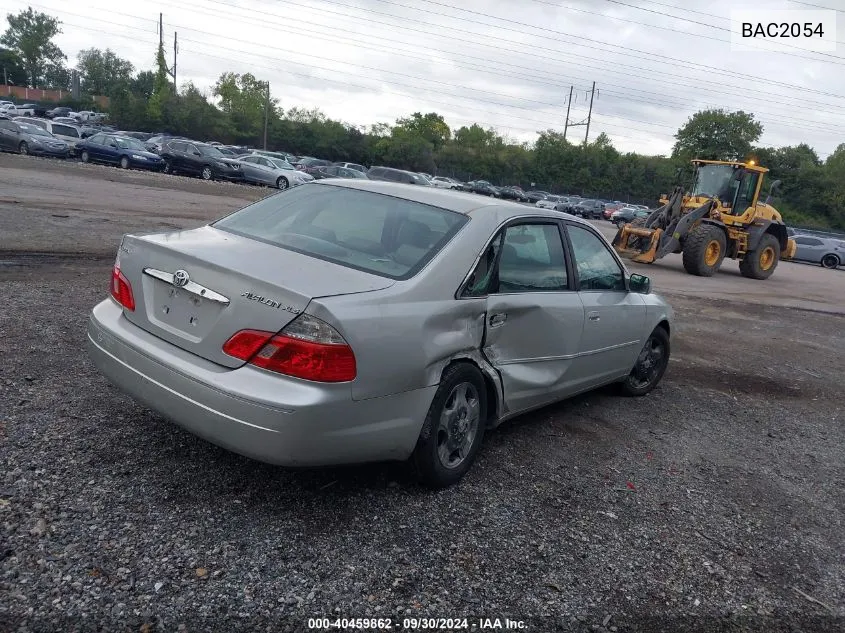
[(243, 98), (717, 135), (159, 101), (430, 127), (103, 72), (12, 70), (30, 35)]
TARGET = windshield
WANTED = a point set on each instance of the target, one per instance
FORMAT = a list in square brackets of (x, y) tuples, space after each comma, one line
[(379, 234), (208, 150), (125, 142), (713, 181), (34, 130), (281, 164)]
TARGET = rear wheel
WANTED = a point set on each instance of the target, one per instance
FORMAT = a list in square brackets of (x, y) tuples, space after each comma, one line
[(704, 250), (762, 261), (206, 173), (650, 366), (84, 156), (453, 429), (830, 261), (282, 182), (124, 162), (23, 148)]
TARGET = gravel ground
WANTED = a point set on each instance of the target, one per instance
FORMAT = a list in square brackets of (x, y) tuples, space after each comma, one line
[(716, 503)]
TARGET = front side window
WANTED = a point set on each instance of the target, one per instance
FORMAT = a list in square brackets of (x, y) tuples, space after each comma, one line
[(597, 268), (367, 231), (532, 259)]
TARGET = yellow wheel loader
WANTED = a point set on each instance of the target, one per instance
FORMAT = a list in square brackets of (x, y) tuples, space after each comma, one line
[(721, 217)]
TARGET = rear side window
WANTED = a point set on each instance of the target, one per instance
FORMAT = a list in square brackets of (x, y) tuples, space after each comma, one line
[(379, 234)]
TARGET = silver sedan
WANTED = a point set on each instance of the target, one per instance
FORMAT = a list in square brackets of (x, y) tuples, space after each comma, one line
[(270, 171), (357, 320)]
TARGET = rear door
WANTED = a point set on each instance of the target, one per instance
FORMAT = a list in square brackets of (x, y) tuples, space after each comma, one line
[(249, 165), (615, 318), (808, 248), (534, 318), (9, 138)]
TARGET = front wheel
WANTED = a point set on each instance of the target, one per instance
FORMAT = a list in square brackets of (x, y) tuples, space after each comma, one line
[(84, 156), (830, 261), (650, 366), (704, 250), (282, 182), (453, 429), (23, 148), (206, 173), (762, 261), (124, 162)]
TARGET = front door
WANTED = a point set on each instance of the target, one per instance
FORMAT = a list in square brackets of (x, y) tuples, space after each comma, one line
[(614, 318), (534, 316)]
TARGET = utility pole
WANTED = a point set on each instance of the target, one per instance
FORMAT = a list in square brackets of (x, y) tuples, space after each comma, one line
[(175, 50), (160, 30), (568, 105), (590, 114), (266, 113)]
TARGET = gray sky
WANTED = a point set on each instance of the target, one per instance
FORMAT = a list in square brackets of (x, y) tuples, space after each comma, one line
[(508, 64)]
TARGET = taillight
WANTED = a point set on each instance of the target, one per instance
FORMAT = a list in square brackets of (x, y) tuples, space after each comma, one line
[(306, 348), (121, 290)]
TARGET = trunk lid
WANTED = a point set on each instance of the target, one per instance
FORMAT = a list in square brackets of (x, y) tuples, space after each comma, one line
[(233, 283)]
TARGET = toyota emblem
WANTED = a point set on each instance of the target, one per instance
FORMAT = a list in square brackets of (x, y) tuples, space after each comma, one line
[(181, 278)]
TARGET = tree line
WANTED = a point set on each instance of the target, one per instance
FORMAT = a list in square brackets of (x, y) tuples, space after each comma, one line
[(235, 109)]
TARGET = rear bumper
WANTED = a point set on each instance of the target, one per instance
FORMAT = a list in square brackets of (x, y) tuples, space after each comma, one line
[(250, 411)]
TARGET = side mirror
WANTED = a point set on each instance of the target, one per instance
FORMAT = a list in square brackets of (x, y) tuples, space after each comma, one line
[(774, 187), (195, 153), (639, 283)]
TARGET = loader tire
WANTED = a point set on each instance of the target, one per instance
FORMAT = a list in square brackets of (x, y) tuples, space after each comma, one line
[(704, 250), (762, 261)]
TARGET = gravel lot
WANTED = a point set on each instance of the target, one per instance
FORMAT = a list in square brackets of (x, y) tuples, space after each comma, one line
[(716, 503)]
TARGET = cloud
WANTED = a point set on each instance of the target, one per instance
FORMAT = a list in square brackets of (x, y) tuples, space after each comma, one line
[(500, 63)]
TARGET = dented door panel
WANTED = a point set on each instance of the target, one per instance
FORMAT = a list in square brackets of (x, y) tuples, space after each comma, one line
[(533, 339)]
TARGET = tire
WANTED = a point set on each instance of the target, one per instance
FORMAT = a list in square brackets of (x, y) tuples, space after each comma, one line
[(206, 173), (282, 183), (650, 366), (23, 148), (124, 162), (704, 250), (84, 156), (456, 420), (830, 261), (168, 168), (762, 261)]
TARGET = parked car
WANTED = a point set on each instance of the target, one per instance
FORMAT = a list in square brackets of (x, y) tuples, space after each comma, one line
[(120, 150), (397, 175), (199, 159), (285, 156), (590, 209), (70, 134), (335, 171), (87, 116), (442, 182), (307, 162), (828, 252), (549, 202), (323, 325), (10, 110), (534, 196), (21, 137), (354, 166), (271, 171), (513, 193), (59, 111), (628, 214), (485, 189)]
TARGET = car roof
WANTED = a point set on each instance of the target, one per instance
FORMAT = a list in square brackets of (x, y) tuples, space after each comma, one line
[(449, 199)]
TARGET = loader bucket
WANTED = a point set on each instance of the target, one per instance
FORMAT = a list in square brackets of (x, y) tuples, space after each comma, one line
[(637, 243)]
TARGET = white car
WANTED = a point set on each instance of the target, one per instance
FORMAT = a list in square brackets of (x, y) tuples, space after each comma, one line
[(444, 183), (550, 202), (9, 109)]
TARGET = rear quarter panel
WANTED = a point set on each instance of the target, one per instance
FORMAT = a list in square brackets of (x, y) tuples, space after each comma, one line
[(404, 336)]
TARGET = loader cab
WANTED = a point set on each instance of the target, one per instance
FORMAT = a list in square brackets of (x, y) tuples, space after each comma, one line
[(735, 185)]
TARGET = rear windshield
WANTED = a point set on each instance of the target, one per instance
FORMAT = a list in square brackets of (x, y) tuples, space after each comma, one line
[(379, 234)]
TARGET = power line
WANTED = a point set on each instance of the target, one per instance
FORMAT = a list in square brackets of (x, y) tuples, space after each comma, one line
[(817, 6), (579, 57)]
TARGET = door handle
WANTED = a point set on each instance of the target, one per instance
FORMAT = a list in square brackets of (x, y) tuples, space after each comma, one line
[(593, 316), (498, 319)]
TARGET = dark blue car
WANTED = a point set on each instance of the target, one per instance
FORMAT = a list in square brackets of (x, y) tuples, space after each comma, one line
[(118, 150)]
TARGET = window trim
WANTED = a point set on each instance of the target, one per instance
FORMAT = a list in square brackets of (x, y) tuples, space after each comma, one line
[(498, 233), (590, 229)]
